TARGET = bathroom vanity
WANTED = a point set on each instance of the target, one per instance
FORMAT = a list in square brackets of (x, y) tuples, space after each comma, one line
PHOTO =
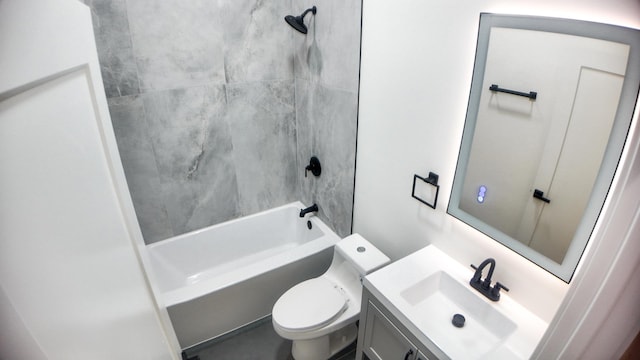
[(408, 311), (383, 336)]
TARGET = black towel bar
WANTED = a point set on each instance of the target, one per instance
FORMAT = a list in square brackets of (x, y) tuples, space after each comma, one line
[(531, 94)]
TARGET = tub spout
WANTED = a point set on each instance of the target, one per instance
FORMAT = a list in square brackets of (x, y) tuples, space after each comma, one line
[(312, 208)]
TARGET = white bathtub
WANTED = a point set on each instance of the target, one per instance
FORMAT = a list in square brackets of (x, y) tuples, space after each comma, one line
[(220, 278)]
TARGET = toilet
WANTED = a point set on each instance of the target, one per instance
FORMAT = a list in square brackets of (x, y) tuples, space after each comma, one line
[(319, 315)]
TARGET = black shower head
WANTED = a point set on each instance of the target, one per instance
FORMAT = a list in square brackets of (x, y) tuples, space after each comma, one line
[(297, 22)]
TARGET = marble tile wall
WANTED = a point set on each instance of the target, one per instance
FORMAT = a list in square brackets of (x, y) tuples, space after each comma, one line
[(327, 69), (193, 150), (217, 106), (115, 51), (326, 129)]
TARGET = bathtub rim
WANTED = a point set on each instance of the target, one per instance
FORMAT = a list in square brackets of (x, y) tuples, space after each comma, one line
[(296, 204)]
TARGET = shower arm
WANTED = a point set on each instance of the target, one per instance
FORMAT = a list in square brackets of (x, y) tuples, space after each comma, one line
[(312, 9)]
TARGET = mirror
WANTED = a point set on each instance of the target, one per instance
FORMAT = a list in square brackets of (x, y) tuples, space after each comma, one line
[(549, 110)]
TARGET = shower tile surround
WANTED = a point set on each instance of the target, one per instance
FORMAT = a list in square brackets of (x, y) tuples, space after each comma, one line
[(218, 106)]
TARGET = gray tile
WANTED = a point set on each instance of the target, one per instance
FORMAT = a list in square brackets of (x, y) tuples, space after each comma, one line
[(326, 70), (176, 43), (119, 74), (257, 41), (113, 41), (262, 123), (110, 22), (193, 150), (196, 204), (326, 124), (330, 53), (138, 161), (197, 161)]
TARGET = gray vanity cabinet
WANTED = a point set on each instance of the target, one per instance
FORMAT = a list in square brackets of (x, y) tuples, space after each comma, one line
[(383, 337), (383, 340)]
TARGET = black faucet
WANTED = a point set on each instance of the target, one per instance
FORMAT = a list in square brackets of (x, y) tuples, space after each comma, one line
[(312, 208), (484, 286)]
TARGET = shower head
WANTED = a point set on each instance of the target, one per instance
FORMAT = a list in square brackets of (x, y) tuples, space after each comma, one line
[(297, 22)]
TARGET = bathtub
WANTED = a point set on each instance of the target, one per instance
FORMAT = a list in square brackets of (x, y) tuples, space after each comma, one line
[(220, 278)]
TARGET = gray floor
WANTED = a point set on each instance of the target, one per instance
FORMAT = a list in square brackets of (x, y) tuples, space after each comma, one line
[(255, 342)]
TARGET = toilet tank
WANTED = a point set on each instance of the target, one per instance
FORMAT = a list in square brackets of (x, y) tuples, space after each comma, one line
[(361, 254)]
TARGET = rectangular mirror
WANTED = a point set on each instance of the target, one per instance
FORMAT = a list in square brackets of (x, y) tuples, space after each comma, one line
[(549, 110)]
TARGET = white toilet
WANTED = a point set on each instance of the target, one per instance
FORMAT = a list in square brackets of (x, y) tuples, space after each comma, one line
[(320, 314)]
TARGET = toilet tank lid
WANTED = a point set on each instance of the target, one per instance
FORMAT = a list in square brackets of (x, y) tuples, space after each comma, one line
[(364, 256)]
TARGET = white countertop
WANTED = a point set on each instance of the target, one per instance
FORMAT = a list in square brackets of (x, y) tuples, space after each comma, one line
[(398, 285)]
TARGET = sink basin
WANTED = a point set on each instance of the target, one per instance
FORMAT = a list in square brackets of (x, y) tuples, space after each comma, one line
[(437, 298), (424, 291)]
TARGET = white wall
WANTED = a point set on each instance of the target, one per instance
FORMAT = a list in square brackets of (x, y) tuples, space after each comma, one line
[(417, 62), (71, 283)]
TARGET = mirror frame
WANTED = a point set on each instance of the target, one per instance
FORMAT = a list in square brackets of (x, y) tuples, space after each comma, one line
[(615, 146)]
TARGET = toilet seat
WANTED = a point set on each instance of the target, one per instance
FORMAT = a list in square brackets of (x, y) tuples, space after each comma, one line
[(309, 305)]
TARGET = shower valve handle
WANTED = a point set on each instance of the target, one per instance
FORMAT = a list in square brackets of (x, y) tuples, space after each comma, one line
[(314, 167)]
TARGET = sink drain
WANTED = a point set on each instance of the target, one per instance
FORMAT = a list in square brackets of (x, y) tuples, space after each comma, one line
[(458, 320)]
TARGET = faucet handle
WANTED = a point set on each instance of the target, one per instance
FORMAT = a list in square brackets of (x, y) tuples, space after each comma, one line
[(495, 291), (476, 275), (314, 166)]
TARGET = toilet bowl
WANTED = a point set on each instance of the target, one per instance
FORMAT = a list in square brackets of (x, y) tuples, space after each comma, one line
[(319, 315)]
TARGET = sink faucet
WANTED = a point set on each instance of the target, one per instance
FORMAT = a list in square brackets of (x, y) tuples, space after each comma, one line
[(484, 286), (312, 208)]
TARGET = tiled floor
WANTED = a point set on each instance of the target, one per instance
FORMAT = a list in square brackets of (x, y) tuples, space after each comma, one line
[(256, 342)]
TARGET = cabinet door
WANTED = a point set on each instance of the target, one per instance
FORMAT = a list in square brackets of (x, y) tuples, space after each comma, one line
[(383, 341)]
